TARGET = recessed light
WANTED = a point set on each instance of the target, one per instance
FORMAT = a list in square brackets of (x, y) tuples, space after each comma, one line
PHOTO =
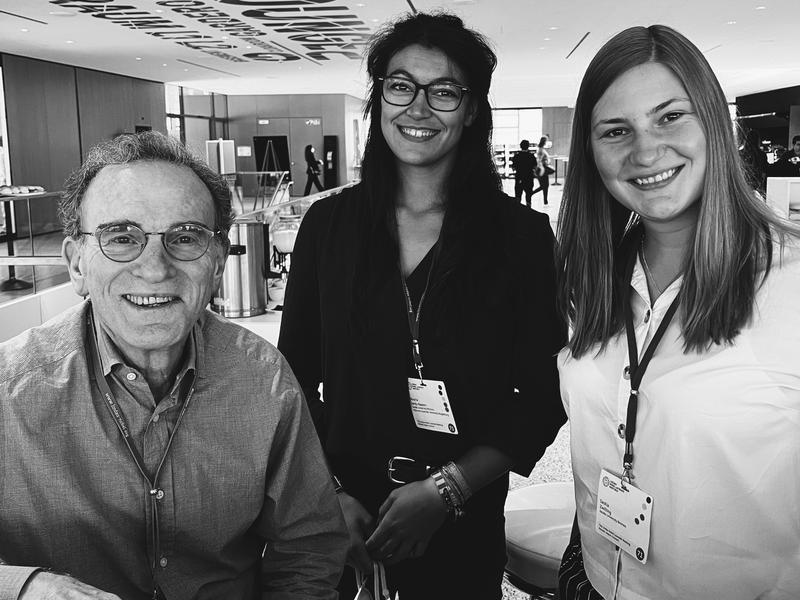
[(138, 58), (248, 47), (23, 30), (761, 7), (374, 20), (163, 64), (186, 70), (70, 42), (158, 10), (541, 48), (731, 23), (224, 37), (546, 39), (552, 28), (360, 4), (62, 13)]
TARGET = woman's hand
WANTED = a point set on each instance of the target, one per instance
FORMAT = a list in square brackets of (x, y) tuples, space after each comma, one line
[(406, 522), (360, 525)]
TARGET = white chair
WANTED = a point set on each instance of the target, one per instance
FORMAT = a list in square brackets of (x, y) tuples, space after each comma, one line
[(538, 525)]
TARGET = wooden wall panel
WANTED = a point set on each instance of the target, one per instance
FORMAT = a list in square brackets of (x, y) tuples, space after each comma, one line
[(149, 104), (42, 131), (105, 106)]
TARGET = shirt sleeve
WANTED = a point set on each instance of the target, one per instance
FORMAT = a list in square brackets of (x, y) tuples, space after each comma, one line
[(531, 418), (300, 338), (12, 580), (301, 520)]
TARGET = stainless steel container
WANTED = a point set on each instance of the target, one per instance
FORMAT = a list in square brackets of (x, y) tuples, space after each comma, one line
[(243, 291)]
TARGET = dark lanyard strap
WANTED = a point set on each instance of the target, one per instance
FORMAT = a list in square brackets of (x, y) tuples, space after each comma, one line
[(118, 416), (637, 369), (414, 316)]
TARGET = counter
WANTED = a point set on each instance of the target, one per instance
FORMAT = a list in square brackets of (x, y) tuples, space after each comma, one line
[(268, 325)]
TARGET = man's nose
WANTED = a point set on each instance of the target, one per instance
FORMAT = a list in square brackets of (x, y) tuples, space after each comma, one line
[(154, 263)]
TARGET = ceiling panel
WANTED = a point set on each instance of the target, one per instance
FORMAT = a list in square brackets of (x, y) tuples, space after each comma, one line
[(315, 46)]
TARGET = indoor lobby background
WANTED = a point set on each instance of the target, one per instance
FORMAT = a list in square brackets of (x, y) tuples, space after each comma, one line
[(270, 77)]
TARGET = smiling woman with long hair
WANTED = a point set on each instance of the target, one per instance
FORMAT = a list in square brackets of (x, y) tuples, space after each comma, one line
[(424, 300), (681, 377)]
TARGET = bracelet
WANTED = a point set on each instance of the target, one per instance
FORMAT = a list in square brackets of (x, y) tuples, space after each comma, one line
[(337, 485), (452, 473), (454, 507)]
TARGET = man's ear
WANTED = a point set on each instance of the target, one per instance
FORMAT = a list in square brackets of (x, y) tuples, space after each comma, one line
[(220, 259), (72, 253)]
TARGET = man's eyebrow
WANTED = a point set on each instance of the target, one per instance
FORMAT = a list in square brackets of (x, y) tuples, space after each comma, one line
[(119, 222)]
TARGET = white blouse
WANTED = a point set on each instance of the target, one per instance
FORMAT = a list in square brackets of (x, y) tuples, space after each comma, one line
[(717, 446)]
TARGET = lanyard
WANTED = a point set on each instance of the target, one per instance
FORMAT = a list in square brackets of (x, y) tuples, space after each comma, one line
[(156, 493), (637, 369), (414, 316)]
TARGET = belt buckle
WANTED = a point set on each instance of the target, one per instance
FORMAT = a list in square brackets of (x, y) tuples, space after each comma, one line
[(391, 468)]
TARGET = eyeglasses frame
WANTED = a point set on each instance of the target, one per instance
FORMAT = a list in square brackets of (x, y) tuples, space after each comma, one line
[(465, 90), (98, 232)]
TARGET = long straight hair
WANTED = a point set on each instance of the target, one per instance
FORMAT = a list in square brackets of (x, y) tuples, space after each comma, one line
[(731, 251)]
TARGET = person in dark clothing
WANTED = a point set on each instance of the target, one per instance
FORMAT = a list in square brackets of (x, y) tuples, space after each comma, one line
[(543, 168), (524, 164), (427, 262), (312, 170)]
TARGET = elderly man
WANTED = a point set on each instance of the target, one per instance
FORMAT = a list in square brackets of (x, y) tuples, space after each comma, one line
[(151, 449)]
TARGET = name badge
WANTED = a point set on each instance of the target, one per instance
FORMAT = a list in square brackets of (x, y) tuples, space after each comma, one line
[(430, 406), (623, 515)]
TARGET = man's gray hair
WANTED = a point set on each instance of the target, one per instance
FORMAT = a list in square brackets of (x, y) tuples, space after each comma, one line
[(146, 146)]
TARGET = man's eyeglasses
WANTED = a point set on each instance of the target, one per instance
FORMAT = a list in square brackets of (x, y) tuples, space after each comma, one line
[(125, 242), (442, 96)]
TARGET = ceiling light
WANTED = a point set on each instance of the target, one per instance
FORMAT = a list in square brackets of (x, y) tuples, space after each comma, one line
[(552, 28), (62, 13), (731, 23), (248, 47), (224, 37), (546, 39), (138, 58), (761, 7), (23, 30), (158, 10), (360, 4), (186, 70), (163, 64), (541, 48), (374, 20), (70, 42)]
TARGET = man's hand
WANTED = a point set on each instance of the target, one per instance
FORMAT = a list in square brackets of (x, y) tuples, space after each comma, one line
[(406, 522), (51, 586), (360, 525)]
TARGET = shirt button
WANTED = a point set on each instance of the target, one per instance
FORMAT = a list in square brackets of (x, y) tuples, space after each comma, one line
[(159, 496), (130, 376), (647, 317), (621, 431), (626, 372), (163, 562), (155, 418)]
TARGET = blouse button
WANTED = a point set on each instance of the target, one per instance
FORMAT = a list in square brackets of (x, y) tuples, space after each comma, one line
[(163, 562), (647, 317), (155, 418), (130, 376), (621, 431), (626, 372)]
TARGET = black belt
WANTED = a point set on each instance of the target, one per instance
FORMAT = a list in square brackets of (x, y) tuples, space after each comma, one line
[(402, 469)]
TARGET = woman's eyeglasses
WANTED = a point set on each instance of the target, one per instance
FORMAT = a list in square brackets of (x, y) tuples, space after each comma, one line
[(441, 96), (125, 242)]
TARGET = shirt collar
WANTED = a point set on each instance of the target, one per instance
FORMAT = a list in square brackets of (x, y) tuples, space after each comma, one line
[(110, 356)]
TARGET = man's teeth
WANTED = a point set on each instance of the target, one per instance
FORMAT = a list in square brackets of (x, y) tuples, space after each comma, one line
[(149, 300), (418, 133), (656, 178)]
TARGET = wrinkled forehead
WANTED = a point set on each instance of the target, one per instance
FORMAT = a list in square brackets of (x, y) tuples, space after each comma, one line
[(152, 194)]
